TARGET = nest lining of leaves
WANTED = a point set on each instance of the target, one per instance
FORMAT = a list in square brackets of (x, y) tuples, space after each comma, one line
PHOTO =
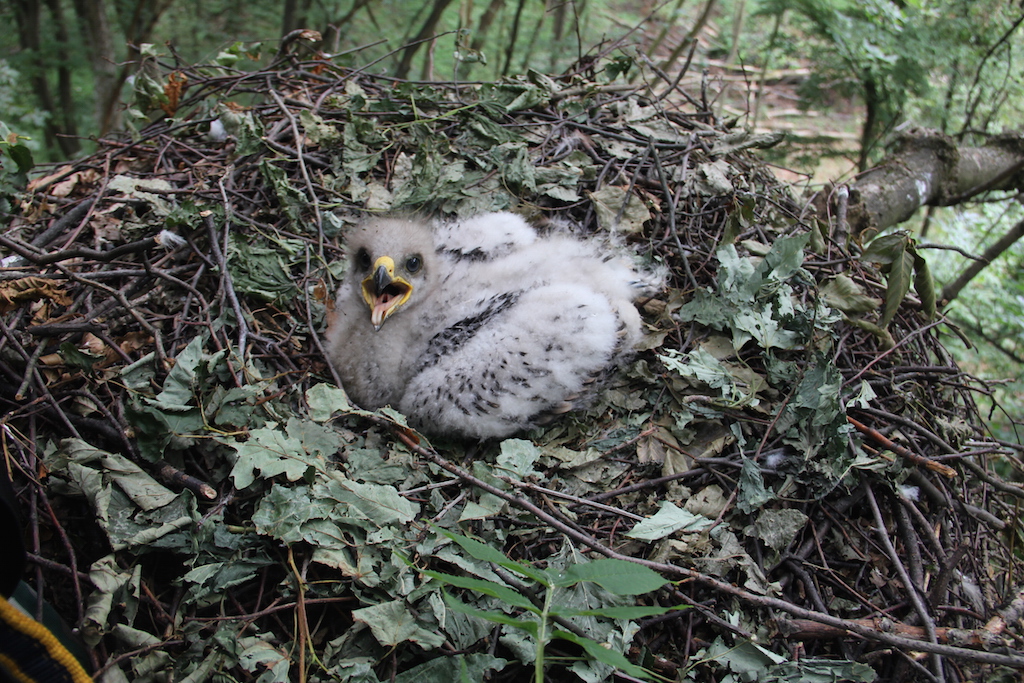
[(204, 496)]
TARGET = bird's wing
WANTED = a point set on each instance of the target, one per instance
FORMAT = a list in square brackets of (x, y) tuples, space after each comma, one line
[(484, 237), (522, 356)]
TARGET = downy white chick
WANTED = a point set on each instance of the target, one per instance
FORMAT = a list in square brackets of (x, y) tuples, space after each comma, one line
[(478, 327)]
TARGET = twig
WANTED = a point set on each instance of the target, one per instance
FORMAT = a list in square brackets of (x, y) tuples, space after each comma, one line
[(908, 583), (1013, 660), (74, 215), (229, 286), (172, 474), (30, 372), (919, 460), (575, 499), (670, 200), (41, 259)]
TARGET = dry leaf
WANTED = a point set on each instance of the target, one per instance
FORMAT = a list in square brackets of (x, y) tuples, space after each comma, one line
[(133, 341), (66, 186), (93, 344), (51, 360), (24, 290), (650, 450), (173, 89), (39, 183)]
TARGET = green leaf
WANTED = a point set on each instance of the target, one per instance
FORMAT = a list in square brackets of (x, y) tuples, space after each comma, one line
[(319, 132), (235, 52), (745, 658), (519, 456), (392, 623), (243, 126), (762, 326), (378, 504), (818, 394), (22, 157), (781, 263), (486, 553), (264, 271), (527, 97), (143, 490), (667, 520), (778, 528), (886, 249), (139, 375), (528, 625), (752, 492), (604, 654), (177, 393), (705, 308), (465, 668), (617, 211), (615, 576), (284, 511), (327, 401), (898, 280), (108, 581), (261, 657), (843, 293), (301, 446), (516, 166), (625, 613), (207, 583), (821, 671), (924, 285), (495, 590)]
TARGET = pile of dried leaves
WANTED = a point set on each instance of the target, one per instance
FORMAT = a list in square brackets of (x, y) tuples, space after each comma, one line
[(205, 504)]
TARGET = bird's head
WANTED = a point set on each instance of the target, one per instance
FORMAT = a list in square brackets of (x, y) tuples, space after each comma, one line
[(393, 260)]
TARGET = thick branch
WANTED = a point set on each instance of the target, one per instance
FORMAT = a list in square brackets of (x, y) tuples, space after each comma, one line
[(950, 291), (928, 168)]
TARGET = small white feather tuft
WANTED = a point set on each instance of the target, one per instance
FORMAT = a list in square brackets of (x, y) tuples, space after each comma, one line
[(218, 133), (909, 492), (170, 240)]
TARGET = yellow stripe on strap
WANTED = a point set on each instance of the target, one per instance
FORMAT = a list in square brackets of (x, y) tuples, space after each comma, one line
[(31, 653)]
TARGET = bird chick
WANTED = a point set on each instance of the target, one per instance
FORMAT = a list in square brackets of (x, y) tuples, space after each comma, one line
[(478, 327)]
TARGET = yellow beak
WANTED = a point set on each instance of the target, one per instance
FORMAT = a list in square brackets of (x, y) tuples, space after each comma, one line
[(383, 292)]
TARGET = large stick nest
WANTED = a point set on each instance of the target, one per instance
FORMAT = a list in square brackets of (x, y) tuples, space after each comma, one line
[(819, 491)]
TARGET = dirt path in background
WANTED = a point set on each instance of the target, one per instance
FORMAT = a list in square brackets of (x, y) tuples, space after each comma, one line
[(820, 145)]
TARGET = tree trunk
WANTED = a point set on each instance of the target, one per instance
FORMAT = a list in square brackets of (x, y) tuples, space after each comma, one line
[(513, 36), (92, 16), (27, 16), (480, 34), (868, 136), (137, 26), (927, 168), (294, 15), (332, 32), (69, 143), (424, 34), (486, 19)]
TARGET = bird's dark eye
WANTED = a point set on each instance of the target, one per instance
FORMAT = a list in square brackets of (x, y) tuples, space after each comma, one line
[(413, 263), (363, 260)]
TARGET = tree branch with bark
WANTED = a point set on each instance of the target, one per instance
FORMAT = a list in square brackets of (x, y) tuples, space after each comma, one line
[(927, 168)]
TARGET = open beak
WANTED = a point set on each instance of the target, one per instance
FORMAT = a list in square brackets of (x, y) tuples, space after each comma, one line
[(383, 292)]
